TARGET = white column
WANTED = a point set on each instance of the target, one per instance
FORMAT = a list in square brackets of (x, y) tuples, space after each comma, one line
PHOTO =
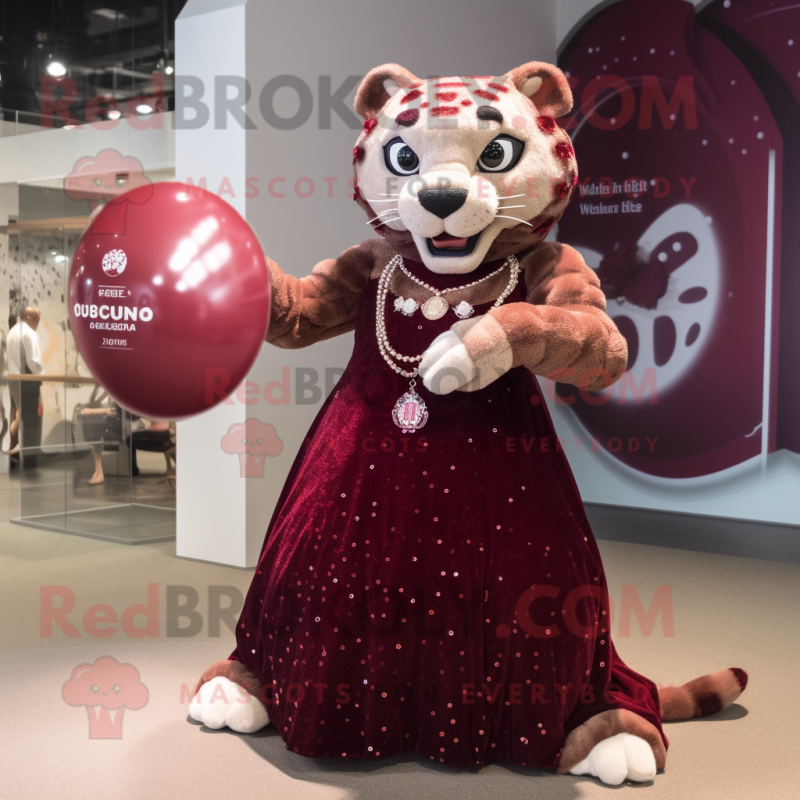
[(211, 520), (8, 203)]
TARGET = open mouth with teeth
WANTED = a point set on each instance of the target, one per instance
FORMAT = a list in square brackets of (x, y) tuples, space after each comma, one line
[(446, 245)]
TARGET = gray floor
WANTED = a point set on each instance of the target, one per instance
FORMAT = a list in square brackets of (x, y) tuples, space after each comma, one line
[(105, 510), (129, 523), (727, 611), (693, 532), (57, 495)]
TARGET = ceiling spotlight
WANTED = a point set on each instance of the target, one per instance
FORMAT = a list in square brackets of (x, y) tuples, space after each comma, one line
[(163, 65), (56, 69), (114, 113), (109, 14), (144, 108)]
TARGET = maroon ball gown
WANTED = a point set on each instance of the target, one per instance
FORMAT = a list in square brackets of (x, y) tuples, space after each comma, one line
[(438, 591)]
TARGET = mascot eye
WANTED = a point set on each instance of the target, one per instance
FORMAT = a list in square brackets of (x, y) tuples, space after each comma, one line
[(501, 154), (400, 158)]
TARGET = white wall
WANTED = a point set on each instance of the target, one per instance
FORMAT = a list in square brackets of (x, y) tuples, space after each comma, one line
[(222, 516), (312, 41), (8, 206), (211, 498), (46, 155), (570, 13), (298, 232)]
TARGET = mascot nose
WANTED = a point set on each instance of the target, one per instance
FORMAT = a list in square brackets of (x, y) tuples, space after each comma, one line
[(442, 202)]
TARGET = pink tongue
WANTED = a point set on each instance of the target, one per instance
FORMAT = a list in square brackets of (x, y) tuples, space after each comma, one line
[(445, 241)]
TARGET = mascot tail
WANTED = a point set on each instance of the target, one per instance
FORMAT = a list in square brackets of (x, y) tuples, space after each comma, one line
[(702, 696)]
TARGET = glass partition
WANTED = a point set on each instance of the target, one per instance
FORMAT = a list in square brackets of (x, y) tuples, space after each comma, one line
[(80, 463)]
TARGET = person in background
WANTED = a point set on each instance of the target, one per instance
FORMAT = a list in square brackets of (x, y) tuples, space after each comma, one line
[(94, 426), (98, 476), (13, 411), (25, 358), (94, 418), (3, 375), (156, 437)]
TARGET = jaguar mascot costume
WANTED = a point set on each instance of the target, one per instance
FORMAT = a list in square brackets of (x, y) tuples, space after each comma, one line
[(429, 581)]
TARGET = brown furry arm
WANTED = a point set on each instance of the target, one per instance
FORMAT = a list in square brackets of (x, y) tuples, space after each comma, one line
[(322, 304), (562, 332)]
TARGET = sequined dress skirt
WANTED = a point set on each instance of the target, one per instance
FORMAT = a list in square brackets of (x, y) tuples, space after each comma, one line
[(439, 591)]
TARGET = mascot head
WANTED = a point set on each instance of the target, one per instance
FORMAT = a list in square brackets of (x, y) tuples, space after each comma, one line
[(457, 171)]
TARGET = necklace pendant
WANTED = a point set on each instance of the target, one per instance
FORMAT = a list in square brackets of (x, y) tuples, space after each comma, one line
[(410, 412), (405, 307), (463, 310), (435, 307)]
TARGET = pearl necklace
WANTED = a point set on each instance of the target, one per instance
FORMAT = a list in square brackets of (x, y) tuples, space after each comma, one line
[(436, 306), (410, 412)]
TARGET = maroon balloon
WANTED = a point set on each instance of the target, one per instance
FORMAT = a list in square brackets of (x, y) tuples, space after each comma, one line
[(169, 299)]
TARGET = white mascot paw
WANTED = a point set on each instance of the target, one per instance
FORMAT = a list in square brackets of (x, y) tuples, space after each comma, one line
[(617, 758), (446, 365), (222, 702)]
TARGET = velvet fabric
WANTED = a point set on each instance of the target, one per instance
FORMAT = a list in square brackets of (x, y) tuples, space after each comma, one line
[(438, 591)]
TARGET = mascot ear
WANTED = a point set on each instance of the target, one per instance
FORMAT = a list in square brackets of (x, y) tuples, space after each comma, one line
[(545, 86), (379, 85)]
